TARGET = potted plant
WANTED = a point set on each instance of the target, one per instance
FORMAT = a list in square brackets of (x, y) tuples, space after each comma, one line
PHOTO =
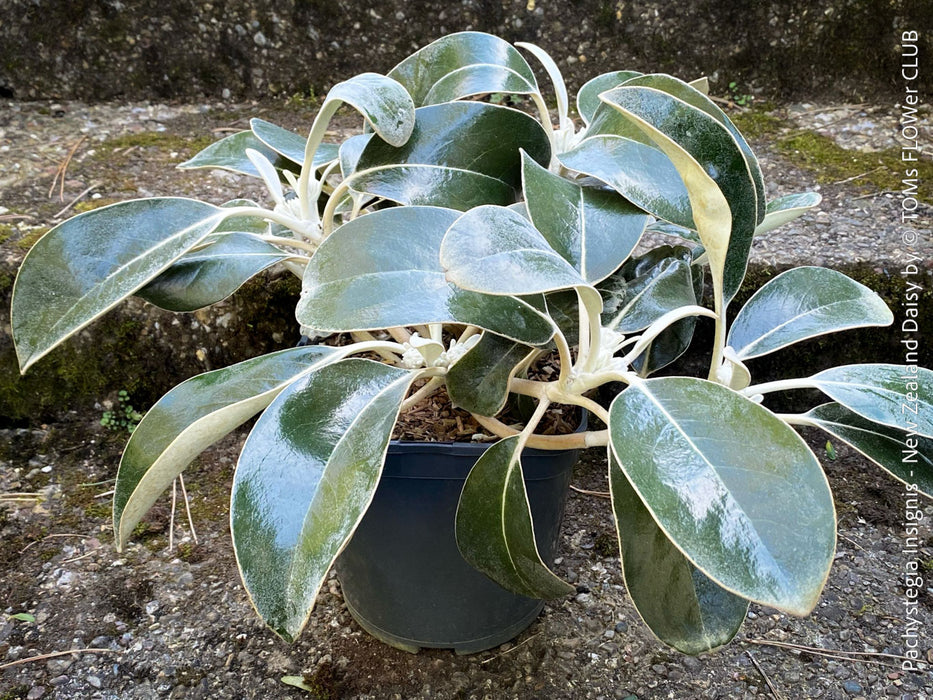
[(457, 242)]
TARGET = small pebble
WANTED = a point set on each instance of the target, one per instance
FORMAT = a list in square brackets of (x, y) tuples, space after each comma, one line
[(94, 681), (852, 687), (35, 692)]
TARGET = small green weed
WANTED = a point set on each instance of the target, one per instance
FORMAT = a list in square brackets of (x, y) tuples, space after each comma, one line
[(303, 100), (741, 99), (123, 416)]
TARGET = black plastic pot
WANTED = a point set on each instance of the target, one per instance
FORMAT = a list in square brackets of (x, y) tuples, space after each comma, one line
[(403, 577)]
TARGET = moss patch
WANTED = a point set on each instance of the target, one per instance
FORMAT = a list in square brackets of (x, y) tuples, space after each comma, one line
[(758, 123), (90, 204), (27, 239), (830, 163)]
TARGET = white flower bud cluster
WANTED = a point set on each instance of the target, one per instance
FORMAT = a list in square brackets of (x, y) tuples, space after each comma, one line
[(424, 352), (566, 138), (610, 341), (289, 207)]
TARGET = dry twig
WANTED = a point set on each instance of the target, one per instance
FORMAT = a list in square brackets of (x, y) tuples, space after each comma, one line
[(771, 687), (60, 173), (54, 654), (838, 654), (859, 176), (76, 200), (598, 494), (510, 650), (48, 537)]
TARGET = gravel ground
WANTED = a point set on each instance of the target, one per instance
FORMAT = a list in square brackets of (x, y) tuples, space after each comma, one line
[(154, 623)]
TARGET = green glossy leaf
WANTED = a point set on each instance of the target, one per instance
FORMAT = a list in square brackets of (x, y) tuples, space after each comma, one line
[(473, 136), (306, 476), (907, 457), (648, 287), (731, 485), (609, 122), (433, 185), (382, 270), (802, 303), (669, 229), (588, 101), (194, 415), (479, 381), (85, 266), (564, 309), (494, 250), (350, 152), (211, 274), (784, 209), (594, 230), (642, 174), (289, 144), (678, 602), (462, 65), (710, 161), (670, 345), (695, 98), (494, 528), (229, 153), (900, 396)]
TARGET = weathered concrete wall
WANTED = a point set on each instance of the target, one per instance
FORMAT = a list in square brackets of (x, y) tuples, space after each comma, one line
[(102, 49)]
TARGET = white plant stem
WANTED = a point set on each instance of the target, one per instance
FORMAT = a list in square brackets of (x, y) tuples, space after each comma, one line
[(315, 137), (780, 385)]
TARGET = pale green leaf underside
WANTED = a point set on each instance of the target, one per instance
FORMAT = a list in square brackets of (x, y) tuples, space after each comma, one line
[(682, 606), (785, 209), (802, 303), (731, 485), (191, 417), (85, 266), (694, 97), (229, 153), (494, 527), (723, 193), (305, 478), (383, 102)]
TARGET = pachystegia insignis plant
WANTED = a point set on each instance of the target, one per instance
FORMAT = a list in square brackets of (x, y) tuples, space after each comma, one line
[(457, 241)]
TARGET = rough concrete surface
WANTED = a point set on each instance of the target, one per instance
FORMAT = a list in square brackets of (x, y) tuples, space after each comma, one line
[(144, 49)]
